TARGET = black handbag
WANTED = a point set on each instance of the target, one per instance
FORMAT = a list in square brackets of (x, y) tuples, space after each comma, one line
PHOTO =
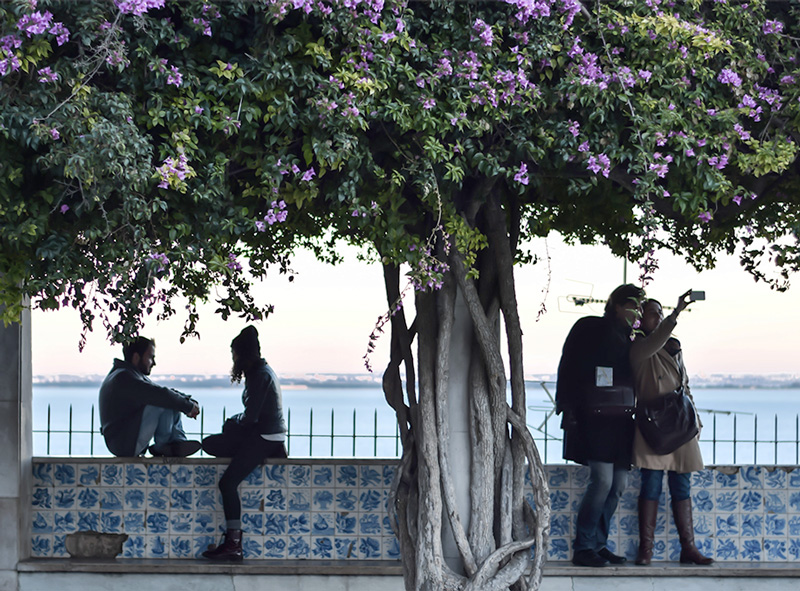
[(668, 422), (611, 401)]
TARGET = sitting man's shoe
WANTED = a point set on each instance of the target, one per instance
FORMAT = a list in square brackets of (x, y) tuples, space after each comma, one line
[(588, 558), (175, 449), (611, 557)]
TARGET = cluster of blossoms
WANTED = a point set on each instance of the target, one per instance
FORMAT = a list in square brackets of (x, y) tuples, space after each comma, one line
[(47, 75), (172, 170), (11, 62), (209, 13), (372, 9), (753, 109), (429, 272), (737, 199), (174, 76), (600, 163), (364, 212), (586, 66), (538, 9), (772, 27), (159, 261), (522, 174), (294, 169), (233, 264), (484, 32), (38, 23), (137, 7), (728, 76), (275, 214), (661, 164)]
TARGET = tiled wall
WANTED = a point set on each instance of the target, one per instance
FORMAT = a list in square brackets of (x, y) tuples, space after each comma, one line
[(318, 510)]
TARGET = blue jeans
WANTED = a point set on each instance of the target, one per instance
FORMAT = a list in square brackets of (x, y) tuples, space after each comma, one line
[(606, 483), (680, 485), (160, 424)]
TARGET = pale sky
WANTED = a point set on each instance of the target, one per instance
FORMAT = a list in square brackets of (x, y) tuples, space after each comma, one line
[(323, 319)]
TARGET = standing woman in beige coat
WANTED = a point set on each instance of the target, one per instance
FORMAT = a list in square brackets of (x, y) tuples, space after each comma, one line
[(658, 369)]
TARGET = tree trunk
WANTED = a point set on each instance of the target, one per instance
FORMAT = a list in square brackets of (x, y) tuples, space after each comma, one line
[(457, 503)]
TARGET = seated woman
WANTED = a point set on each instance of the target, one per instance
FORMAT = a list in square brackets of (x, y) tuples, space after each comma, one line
[(247, 438), (658, 368)]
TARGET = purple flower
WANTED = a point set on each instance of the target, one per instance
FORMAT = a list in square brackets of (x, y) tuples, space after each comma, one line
[(705, 216), (308, 175), (484, 32), (54, 134), (737, 199), (584, 147), (232, 263), (689, 152), (645, 75), (35, 23), (728, 76), (522, 174), (743, 133), (198, 110), (428, 103), (137, 7), (574, 128), (772, 27), (47, 75), (295, 169), (174, 77), (64, 208)]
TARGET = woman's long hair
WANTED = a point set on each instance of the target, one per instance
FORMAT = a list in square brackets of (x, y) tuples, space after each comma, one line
[(248, 352)]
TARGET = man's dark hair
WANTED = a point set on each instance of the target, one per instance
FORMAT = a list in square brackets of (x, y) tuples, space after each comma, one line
[(625, 293), (248, 352), (138, 345)]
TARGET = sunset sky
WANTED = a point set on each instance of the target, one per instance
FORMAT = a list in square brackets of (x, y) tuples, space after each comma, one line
[(323, 319)]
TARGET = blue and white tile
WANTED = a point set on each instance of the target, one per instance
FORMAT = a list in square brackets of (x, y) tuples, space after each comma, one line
[(156, 546), (369, 524), (628, 501), (387, 472), (752, 525), (321, 476), (775, 525), (775, 479), (65, 497), (275, 499), (726, 501), (158, 476), (298, 547), (253, 523), (275, 476), (180, 547), (275, 524), (793, 549), (345, 523), (135, 475), (135, 522), (346, 500), (370, 477), (727, 481), (275, 546), (201, 543), (182, 476), (323, 524), (299, 476), (559, 501), (660, 548), (703, 479), (751, 550), (60, 545), (255, 478), (181, 499), (704, 524), (751, 477), (794, 525), (42, 497), (64, 475), (703, 501), (204, 523), (134, 547), (369, 548), (775, 501), (157, 522), (322, 499), (345, 547), (134, 498), (42, 545), (42, 522), (298, 523), (322, 548), (628, 525), (111, 499), (65, 522), (205, 475), (391, 548), (793, 505), (370, 500), (157, 499), (88, 474), (727, 525), (557, 476), (794, 478), (88, 521), (579, 477), (751, 501), (559, 549), (346, 476), (181, 522), (253, 547), (43, 474), (727, 550), (112, 475), (205, 499), (299, 499), (775, 549)]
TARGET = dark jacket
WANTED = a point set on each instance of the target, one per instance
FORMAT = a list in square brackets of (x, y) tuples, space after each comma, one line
[(124, 394), (592, 342), (263, 408)]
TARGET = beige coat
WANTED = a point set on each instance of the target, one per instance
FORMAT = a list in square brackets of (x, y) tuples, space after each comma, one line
[(656, 372)]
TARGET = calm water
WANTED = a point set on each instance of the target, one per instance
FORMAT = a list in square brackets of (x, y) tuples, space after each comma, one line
[(756, 419)]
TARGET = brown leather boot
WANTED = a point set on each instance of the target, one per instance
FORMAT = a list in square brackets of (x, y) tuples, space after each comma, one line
[(230, 550), (648, 511), (682, 511)]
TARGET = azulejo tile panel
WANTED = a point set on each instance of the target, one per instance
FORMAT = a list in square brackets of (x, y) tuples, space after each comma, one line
[(337, 511)]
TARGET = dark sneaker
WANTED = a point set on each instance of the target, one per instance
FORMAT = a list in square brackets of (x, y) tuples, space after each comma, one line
[(611, 557), (175, 449), (588, 558)]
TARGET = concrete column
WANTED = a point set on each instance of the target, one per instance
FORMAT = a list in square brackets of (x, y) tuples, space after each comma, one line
[(458, 421), (16, 392)]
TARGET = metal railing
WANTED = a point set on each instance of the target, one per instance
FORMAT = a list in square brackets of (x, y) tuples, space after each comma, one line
[(729, 439), (366, 438)]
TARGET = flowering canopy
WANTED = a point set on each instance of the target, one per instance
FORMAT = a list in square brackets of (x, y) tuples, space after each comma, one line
[(150, 140)]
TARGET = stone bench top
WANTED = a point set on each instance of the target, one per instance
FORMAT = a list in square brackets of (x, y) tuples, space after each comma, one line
[(392, 568)]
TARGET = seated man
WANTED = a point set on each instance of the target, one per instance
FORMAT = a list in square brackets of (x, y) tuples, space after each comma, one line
[(134, 410)]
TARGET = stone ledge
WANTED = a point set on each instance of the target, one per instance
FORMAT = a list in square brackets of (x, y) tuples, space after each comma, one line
[(389, 568), (334, 461)]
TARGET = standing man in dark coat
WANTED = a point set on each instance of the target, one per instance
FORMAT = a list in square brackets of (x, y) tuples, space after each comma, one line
[(134, 410), (595, 394)]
